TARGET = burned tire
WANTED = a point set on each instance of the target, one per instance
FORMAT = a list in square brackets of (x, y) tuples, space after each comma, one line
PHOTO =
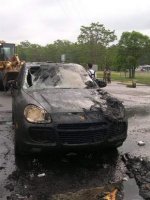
[(1, 82)]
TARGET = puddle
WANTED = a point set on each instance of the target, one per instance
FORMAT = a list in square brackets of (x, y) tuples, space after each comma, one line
[(131, 190)]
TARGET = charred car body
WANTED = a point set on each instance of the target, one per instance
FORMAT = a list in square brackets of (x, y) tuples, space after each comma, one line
[(58, 106)]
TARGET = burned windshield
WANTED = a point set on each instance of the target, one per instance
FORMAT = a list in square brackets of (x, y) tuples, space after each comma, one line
[(58, 76)]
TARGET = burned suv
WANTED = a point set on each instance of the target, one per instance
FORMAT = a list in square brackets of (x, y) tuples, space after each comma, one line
[(58, 106)]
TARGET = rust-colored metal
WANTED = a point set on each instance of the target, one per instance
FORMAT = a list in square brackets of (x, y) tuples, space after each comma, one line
[(13, 65)]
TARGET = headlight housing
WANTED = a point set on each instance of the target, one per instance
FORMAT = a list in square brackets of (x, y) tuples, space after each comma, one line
[(35, 114)]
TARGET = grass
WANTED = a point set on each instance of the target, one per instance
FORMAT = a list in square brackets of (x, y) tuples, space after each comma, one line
[(140, 77)]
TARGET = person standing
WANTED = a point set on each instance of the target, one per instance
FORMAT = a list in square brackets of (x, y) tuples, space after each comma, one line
[(91, 72), (108, 75), (105, 75)]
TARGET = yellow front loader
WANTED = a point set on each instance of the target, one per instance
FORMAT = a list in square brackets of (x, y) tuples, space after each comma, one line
[(10, 65)]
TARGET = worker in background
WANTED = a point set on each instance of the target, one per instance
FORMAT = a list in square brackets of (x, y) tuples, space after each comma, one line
[(91, 72), (107, 75)]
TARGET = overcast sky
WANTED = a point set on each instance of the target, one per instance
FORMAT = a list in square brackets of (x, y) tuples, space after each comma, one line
[(44, 21)]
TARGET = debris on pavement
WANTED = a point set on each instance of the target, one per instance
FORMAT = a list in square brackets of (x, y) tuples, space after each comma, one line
[(140, 168), (105, 166), (41, 175), (125, 179), (141, 143), (109, 192), (31, 176), (19, 197), (25, 187), (9, 187)]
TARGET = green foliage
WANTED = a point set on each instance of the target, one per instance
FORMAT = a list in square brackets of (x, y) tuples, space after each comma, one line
[(95, 39), (132, 48), (95, 51), (96, 34), (93, 45)]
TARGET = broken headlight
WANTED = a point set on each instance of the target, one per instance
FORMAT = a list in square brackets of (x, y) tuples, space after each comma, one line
[(36, 114)]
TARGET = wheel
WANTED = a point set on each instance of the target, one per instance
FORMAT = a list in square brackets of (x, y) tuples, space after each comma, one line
[(1, 82)]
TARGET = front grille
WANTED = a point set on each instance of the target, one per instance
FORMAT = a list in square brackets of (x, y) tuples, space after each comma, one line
[(96, 125), (89, 132), (118, 128), (42, 134), (81, 137), (82, 133)]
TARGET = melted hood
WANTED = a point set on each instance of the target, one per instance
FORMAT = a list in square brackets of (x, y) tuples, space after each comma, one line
[(68, 100)]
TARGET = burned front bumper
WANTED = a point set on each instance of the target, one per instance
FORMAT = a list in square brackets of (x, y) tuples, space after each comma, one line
[(71, 136)]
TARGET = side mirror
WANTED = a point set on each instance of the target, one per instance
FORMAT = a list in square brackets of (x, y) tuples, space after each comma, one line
[(101, 83)]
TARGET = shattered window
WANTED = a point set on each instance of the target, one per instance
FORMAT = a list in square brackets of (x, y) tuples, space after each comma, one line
[(58, 76)]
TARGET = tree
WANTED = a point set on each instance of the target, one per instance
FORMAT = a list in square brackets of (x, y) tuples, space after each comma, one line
[(96, 38), (132, 46), (131, 64), (29, 52), (111, 55), (25, 44), (96, 34), (63, 47)]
